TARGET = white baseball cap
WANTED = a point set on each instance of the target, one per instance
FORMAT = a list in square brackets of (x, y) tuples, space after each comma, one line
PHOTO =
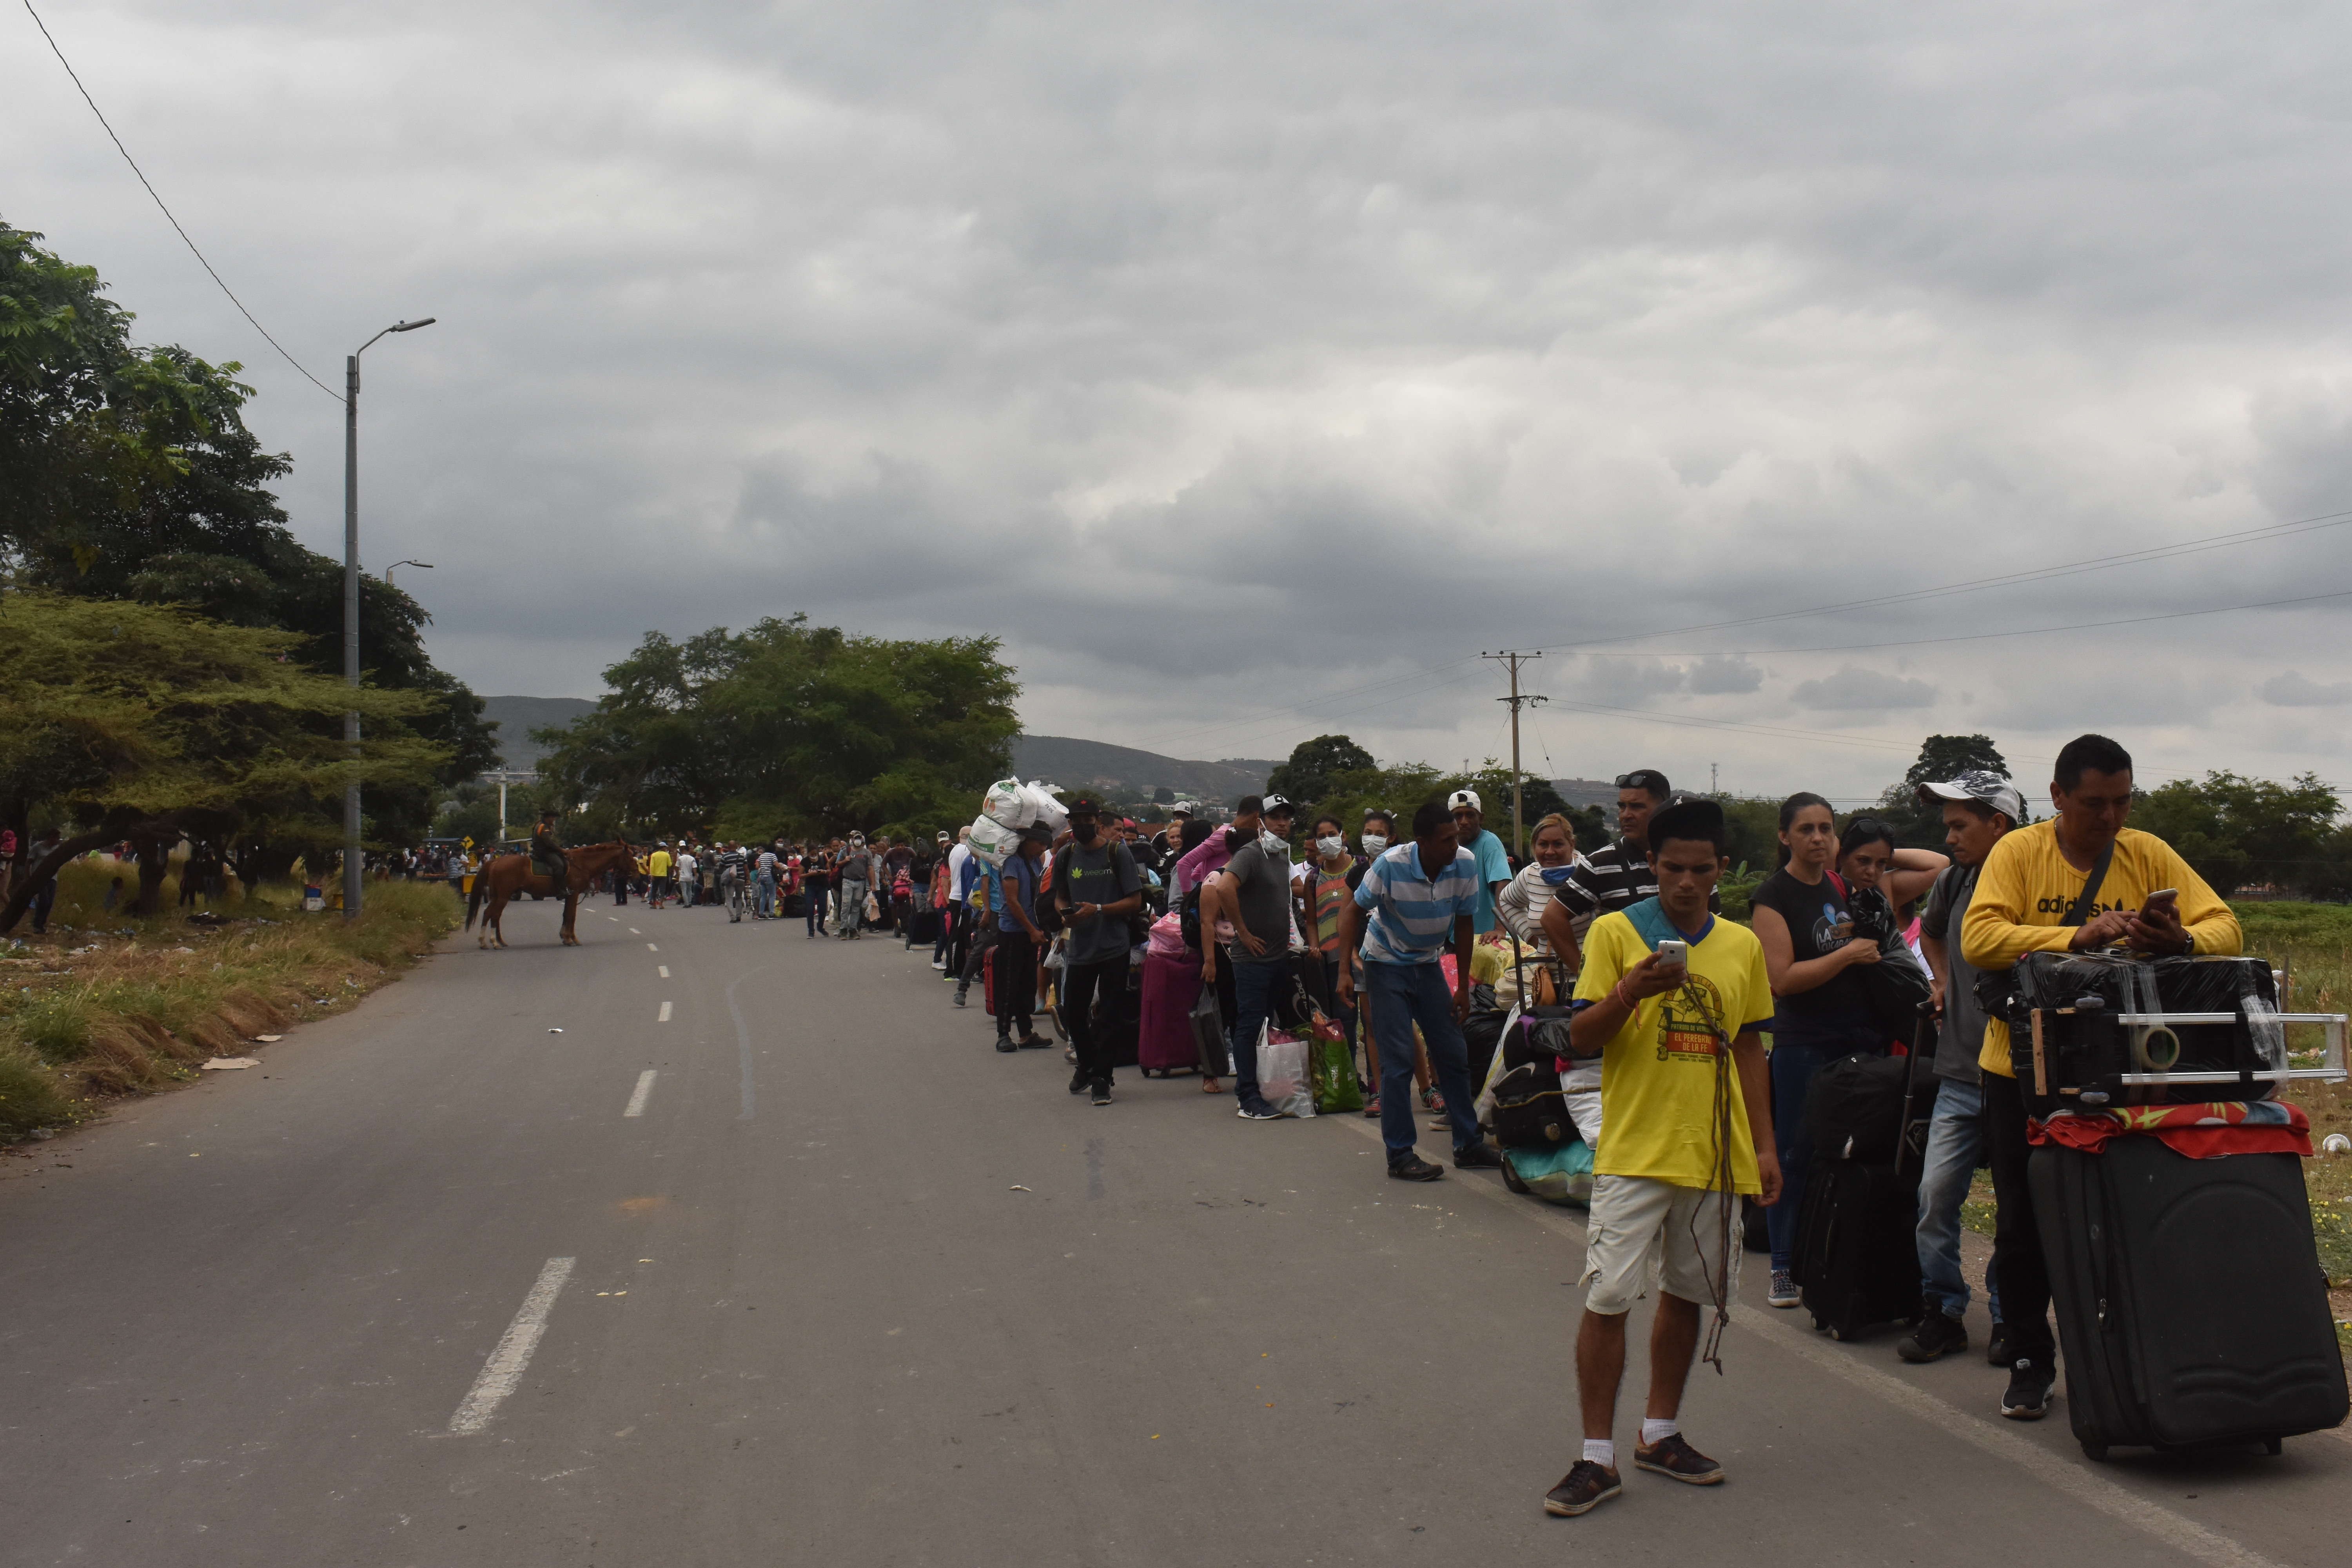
[(1461, 797)]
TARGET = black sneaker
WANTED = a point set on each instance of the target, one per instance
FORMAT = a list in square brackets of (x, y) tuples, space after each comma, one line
[(1260, 1111), (1031, 1042), (1937, 1335), (2028, 1390), (962, 998), (1102, 1094), (1672, 1456), (1079, 1081), (1479, 1156), (1004, 1043), (1997, 1347), (1413, 1168), (1585, 1485)]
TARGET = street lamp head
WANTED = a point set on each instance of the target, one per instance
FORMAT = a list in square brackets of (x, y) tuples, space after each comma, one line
[(412, 326)]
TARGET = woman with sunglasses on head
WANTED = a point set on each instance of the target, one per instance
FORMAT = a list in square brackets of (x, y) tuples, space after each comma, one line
[(1801, 919)]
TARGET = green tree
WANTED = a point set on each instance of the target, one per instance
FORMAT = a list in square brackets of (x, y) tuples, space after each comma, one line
[(2239, 832), (789, 728), (128, 720), (1307, 776), (1941, 757), (129, 474)]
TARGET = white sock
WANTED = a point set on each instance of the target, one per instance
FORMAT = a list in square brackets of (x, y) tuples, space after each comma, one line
[(1656, 1432), (1601, 1451)]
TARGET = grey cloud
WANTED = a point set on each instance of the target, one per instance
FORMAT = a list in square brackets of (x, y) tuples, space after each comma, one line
[(1720, 675), (1854, 688), (2294, 690)]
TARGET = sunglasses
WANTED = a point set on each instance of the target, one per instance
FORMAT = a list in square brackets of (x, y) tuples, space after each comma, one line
[(1643, 780)]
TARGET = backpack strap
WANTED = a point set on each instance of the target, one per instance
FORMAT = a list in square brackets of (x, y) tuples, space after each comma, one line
[(2079, 911)]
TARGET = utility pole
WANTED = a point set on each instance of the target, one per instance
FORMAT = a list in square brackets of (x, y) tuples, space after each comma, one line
[(1714, 785), (1512, 659)]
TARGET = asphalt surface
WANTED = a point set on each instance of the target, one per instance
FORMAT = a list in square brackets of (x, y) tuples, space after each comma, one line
[(851, 1287)]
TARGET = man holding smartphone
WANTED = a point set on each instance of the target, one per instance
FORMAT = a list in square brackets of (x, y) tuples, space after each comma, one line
[(2031, 885), (1672, 1000)]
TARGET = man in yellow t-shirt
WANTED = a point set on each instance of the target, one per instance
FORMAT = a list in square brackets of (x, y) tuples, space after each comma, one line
[(1684, 1130), (2030, 882), (657, 874)]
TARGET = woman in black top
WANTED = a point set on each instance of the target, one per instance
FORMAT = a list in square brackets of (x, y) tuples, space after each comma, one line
[(1819, 1014)]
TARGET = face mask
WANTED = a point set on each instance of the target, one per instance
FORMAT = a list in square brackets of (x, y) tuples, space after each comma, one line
[(1335, 844), (1556, 874), (1375, 842), (1273, 843)]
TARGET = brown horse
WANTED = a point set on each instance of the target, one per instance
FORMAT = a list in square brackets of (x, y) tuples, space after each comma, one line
[(507, 876)]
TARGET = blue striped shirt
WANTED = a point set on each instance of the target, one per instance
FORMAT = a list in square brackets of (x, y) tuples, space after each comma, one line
[(1412, 914)]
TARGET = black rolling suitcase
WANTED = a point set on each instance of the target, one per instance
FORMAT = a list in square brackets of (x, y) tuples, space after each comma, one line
[(923, 926), (2191, 1308), (1117, 1018), (1856, 1262)]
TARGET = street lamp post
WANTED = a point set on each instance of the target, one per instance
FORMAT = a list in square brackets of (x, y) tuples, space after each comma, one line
[(351, 607), (397, 565)]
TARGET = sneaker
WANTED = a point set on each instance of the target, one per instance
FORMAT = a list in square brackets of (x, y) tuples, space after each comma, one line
[(1260, 1112), (1586, 1484), (1997, 1347), (1032, 1042), (939, 964), (1413, 1168), (1784, 1290), (1671, 1455), (1372, 1108), (1102, 1094), (962, 997), (1079, 1082), (1004, 1043), (2028, 1390), (1938, 1334), (1479, 1156)]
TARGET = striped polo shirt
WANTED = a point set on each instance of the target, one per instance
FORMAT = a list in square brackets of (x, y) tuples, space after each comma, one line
[(1412, 914)]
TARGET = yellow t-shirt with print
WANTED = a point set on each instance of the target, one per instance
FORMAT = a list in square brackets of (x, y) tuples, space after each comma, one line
[(1658, 1072), (657, 863), (2026, 887)]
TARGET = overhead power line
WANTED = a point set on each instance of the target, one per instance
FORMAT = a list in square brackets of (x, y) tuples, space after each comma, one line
[(166, 211)]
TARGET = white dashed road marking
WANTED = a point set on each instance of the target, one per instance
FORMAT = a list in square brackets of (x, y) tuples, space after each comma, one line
[(664, 1015), (508, 1363), (642, 1092), (665, 969)]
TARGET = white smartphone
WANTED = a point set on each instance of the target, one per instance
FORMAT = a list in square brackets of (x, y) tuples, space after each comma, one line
[(2165, 896), (1674, 955)]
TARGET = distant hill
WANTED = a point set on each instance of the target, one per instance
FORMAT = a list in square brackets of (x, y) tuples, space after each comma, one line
[(1586, 792), (517, 717), (1126, 772)]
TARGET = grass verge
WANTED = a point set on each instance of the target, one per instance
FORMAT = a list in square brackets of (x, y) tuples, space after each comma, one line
[(106, 1004)]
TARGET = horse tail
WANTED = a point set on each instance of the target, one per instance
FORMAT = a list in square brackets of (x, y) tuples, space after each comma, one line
[(482, 884)]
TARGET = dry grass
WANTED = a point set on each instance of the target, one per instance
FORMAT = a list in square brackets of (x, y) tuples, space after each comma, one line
[(136, 1005)]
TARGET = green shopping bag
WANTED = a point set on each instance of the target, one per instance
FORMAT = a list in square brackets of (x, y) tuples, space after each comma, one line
[(1335, 1068)]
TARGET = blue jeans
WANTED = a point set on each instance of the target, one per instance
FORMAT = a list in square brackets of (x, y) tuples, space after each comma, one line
[(1254, 985), (1957, 1145), (1396, 998), (764, 896), (1794, 1062)]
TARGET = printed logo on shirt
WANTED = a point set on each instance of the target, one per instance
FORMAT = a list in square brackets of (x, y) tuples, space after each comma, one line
[(2060, 905), (1683, 1035)]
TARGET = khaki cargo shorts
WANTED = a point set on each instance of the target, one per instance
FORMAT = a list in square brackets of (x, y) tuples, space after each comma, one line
[(1642, 1232)]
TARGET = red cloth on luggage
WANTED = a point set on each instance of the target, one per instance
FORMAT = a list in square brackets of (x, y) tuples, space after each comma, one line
[(2206, 1131)]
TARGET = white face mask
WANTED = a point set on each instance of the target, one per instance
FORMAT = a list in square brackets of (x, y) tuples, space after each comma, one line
[(1334, 844), (1375, 842), (1273, 843)]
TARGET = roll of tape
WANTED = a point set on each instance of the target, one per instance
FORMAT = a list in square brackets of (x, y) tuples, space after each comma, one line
[(2155, 1048)]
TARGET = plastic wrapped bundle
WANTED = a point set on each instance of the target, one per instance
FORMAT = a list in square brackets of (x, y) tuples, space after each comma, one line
[(992, 841), (2105, 1028)]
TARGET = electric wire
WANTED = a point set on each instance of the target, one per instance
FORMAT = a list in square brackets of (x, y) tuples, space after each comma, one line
[(166, 211)]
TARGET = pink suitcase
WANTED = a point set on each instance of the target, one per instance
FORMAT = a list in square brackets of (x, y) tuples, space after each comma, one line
[(1164, 1043)]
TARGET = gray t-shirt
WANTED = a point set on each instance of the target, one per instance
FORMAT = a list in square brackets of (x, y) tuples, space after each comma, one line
[(1099, 875), (1262, 890), (1962, 1035)]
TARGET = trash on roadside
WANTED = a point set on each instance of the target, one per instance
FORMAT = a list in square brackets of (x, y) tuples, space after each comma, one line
[(2336, 1143), (1017, 1188), (555, 1031), (230, 1064), (269, 1039)]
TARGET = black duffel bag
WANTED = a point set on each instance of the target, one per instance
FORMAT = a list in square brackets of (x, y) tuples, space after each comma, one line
[(1853, 1109), (1530, 1111)]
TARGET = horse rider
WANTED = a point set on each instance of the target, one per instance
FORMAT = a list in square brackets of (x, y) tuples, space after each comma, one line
[(547, 857)]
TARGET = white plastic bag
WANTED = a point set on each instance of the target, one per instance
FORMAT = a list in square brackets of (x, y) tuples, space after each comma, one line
[(1043, 807), (1007, 803), (992, 841), (1284, 1076)]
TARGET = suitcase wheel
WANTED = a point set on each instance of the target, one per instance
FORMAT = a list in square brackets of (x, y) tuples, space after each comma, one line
[(2272, 1445), (2094, 1450), (1511, 1180), (1820, 1322), (1838, 1334)]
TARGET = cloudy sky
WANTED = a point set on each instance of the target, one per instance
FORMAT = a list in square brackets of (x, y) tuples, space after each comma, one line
[(1250, 368)]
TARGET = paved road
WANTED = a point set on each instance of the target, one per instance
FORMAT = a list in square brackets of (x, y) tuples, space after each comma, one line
[(852, 1289)]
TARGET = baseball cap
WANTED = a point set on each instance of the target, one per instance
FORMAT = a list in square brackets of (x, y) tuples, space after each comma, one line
[(942, 837), (1085, 804), (1461, 797), (1980, 785), (1277, 805)]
